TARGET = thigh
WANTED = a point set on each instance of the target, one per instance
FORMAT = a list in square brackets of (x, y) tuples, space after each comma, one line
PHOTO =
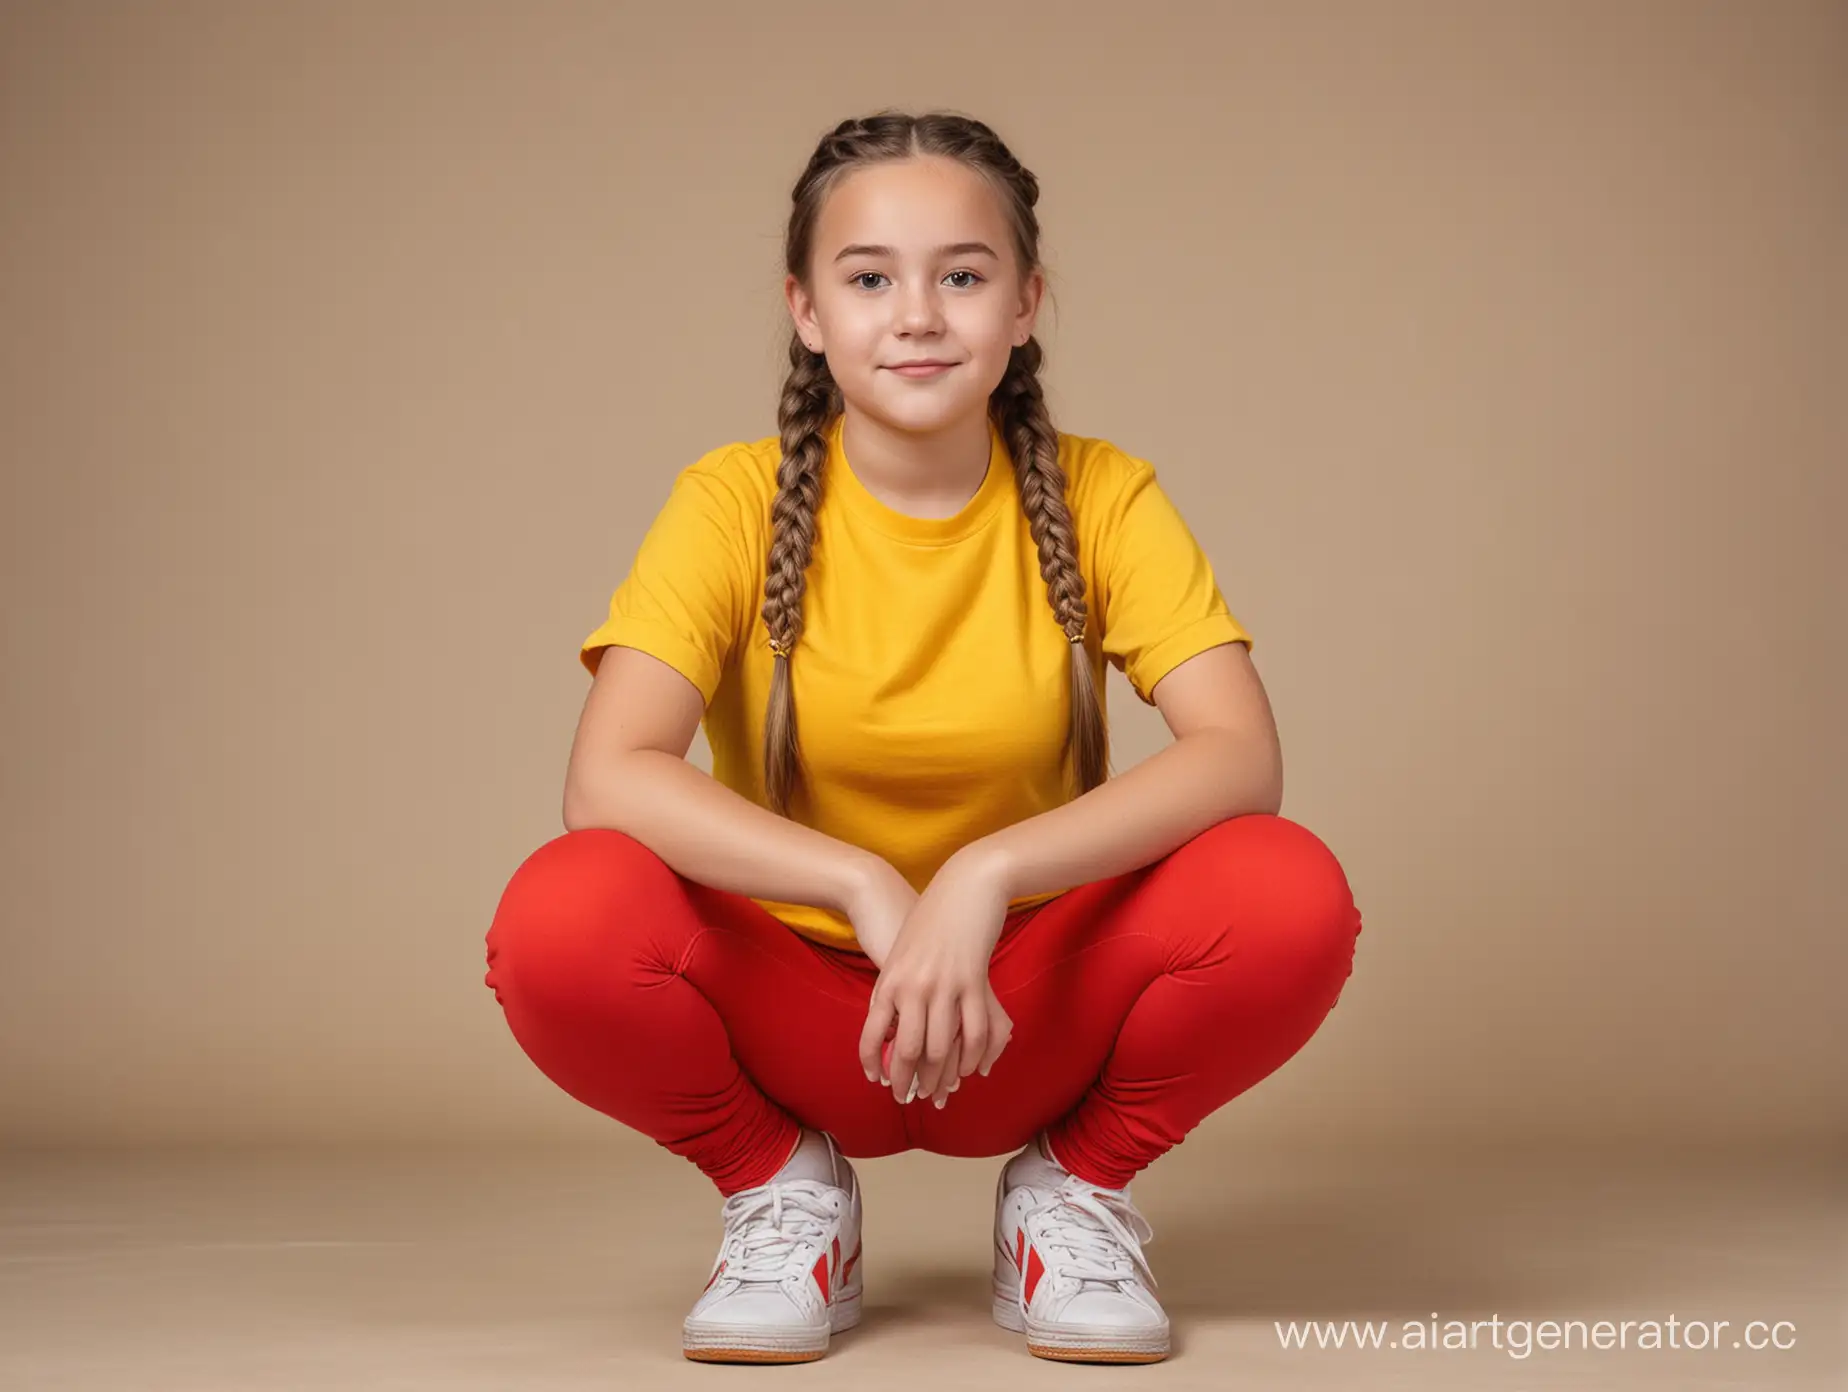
[(793, 1011)]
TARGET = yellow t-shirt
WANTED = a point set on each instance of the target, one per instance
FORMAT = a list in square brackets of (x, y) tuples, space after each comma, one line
[(930, 681)]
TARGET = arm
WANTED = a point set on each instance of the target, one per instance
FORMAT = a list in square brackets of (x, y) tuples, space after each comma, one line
[(1225, 762), (628, 772)]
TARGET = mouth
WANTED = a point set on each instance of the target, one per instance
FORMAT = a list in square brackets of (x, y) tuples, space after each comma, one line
[(922, 365)]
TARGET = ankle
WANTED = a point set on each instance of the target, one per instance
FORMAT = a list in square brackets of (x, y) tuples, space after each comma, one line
[(1044, 1142), (802, 1134), (814, 1156)]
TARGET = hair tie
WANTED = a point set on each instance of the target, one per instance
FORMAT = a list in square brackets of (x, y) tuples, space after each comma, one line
[(1079, 636), (779, 649)]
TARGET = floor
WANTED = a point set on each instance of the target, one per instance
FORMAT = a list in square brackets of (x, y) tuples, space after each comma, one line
[(496, 1269)]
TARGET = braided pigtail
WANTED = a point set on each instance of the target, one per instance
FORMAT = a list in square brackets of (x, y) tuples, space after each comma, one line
[(810, 400), (1019, 405)]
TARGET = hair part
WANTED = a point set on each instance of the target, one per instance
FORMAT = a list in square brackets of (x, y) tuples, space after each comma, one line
[(811, 399)]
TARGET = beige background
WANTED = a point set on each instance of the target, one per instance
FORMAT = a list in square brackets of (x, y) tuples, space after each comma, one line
[(1494, 352)]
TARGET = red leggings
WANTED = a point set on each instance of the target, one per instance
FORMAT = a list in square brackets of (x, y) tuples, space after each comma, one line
[(1140, 1004)]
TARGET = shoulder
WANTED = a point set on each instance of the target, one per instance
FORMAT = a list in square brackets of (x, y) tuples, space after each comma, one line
[(719, 505), (1091, 461), (746, 469), (732, 486), (1100, 476)]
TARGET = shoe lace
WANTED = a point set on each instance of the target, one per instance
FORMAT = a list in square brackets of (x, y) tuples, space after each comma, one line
[(767, 1227), (1099, 1233)]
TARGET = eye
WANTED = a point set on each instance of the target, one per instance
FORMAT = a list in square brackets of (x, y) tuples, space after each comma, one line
[(859, 281)]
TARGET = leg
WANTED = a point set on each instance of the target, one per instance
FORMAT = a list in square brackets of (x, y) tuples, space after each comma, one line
[(1143, 1003), (687, 1013), (1257, 928)]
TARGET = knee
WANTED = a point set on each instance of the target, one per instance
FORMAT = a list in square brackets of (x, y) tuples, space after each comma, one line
[(1286, 898), (573, 903)]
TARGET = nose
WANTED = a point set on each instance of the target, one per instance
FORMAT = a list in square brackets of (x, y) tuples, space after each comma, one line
[(919, 310)]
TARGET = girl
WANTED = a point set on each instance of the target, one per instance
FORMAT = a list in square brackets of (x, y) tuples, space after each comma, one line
[(910, 872)]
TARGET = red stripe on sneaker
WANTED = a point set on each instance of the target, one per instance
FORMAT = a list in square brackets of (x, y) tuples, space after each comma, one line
[(821, 1275), (1035, 1269), (1020, 1249), (847, 1270), (720, 1271)]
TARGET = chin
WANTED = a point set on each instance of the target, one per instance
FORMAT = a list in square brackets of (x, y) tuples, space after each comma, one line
[(910, 422), (924, 417)]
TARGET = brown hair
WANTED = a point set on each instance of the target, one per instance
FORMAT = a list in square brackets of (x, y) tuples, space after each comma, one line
[(811, 400)]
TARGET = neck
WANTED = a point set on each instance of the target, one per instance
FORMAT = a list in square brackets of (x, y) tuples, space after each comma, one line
[(933, 474)]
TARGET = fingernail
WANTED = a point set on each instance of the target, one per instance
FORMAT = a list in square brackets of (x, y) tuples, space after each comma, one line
[(884, 1081), (940, 1102), (955, 1084)]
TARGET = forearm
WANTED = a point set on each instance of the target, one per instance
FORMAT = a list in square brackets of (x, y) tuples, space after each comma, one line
[(708, 833), (1138, 817)]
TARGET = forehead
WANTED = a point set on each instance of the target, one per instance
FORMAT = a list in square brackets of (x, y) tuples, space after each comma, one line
[(911, 205)]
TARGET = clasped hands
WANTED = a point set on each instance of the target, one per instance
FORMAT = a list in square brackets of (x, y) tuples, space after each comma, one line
[(933, 997)]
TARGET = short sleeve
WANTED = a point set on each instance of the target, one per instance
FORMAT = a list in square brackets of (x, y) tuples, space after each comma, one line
[(686, 593), (1161, 602)]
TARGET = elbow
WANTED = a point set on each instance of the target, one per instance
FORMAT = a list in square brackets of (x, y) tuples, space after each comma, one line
[(592, 797), (1246, 777), (1266, 800), (573, 810), (578, 817), (1269, 795)]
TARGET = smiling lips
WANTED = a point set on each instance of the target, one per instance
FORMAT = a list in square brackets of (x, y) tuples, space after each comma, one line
[(924, 367)]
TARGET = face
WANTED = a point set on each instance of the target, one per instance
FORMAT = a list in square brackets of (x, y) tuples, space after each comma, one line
[(913, 260)]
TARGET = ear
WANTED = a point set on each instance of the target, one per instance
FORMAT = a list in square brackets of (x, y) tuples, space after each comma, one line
[(802, 313), (1030, 292)]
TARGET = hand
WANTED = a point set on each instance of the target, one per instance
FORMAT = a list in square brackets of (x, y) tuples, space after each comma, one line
[(933, 991)]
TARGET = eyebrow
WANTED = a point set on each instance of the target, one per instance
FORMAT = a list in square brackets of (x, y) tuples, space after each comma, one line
[(953, 249)]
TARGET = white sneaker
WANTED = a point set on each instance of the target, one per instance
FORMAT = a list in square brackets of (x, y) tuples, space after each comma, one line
[(1070, 1273), (787, 1275)]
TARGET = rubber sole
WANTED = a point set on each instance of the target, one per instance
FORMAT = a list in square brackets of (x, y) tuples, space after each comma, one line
[(1078, 1345), (712, 1341)]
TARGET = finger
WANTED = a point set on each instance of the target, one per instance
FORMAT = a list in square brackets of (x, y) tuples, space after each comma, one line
[(939, 1041), (878, 1025), (949, 1078), (974, 1037), (908, 1049), (1000, 1030)]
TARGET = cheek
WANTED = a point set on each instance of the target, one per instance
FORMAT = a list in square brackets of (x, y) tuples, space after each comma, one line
[(856, 337), (992, 347), (988, 329)]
